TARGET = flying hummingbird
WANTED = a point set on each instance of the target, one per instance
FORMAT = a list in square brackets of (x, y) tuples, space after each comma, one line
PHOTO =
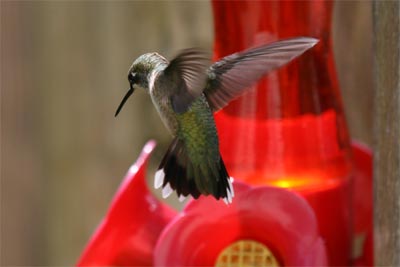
[(186, 92)]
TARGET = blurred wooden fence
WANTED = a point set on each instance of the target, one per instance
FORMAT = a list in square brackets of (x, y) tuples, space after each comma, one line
[(387, 133), (64, 68)]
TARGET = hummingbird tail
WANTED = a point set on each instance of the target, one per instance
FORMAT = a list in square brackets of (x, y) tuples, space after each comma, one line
[(178, 172)]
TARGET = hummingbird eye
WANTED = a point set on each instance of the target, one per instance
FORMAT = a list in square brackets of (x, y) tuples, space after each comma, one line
[(132, 77)]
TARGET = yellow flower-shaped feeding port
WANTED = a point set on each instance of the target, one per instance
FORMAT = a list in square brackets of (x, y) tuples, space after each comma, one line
[(246, 253)]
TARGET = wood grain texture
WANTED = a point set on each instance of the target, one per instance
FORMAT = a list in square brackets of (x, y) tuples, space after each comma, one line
[(387, 133)]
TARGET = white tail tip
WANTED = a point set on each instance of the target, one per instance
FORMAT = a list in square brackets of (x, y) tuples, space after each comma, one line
[(159, 178), (229, 192), (181, 198), (167, 191)]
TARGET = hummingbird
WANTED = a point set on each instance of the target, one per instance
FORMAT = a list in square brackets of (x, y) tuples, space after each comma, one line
[(186, 91)]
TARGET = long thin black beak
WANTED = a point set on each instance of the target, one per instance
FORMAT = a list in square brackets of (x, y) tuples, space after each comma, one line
[(128, 94)]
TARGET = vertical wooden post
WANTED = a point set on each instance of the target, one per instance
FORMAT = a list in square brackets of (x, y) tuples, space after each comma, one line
[(387, 133)]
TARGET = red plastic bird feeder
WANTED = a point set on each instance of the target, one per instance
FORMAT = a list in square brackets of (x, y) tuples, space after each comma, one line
[(290, 131)]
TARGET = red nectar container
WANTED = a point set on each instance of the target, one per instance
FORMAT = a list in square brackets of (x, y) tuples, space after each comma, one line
[(290, 130)]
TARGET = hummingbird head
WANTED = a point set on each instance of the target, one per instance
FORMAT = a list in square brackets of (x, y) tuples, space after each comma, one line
[(139, 74)]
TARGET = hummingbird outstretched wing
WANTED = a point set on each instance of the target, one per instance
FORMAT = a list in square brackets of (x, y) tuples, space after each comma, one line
[(232, 75), (186, 77)]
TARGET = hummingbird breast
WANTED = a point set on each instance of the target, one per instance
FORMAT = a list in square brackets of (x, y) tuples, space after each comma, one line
[(167, 114)]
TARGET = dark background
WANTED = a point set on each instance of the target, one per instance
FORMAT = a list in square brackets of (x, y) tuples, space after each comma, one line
[(63, 73)]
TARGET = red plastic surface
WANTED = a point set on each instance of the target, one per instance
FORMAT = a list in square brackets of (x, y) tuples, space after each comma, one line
[(281, 220), (128, 233), (290, 130)]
